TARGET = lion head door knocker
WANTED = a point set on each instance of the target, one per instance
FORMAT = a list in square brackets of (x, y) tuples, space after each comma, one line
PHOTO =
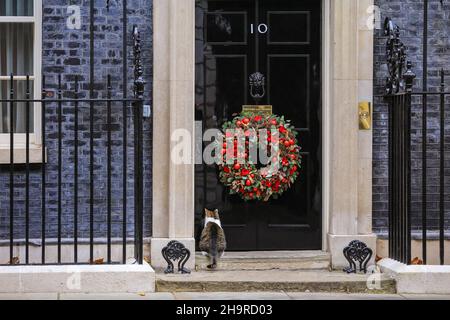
[(357, 252), (176, 251), (257, 83)]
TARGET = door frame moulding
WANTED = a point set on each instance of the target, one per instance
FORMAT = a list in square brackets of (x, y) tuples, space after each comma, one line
[(326, 107), (174, 78)]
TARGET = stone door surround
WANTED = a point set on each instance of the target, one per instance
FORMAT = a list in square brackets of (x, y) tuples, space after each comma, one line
[(347, 157)]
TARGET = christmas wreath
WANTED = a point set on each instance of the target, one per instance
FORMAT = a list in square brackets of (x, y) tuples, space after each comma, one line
[(247, 178)]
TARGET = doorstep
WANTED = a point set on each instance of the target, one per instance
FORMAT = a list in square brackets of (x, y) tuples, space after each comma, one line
[(129, 278), (269, 260), (275, 280)]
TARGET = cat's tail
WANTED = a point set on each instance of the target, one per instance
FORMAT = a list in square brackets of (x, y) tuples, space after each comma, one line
[(214, 253)]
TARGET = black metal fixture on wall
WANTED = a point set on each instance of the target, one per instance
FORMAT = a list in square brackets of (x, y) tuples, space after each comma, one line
[(396, 58)]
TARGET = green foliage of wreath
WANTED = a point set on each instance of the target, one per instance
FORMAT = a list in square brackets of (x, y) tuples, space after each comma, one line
[(247, 179)]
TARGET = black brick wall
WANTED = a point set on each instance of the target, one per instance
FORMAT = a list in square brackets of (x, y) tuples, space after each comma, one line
[(408, 14), (66, 52)]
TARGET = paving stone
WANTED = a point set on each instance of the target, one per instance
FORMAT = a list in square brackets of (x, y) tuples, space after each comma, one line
[(426, 297), (28, 296), (117, 296), (231, 296), (334, 296)]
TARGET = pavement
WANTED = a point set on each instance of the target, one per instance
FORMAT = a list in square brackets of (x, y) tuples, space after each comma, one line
[(219, 296)]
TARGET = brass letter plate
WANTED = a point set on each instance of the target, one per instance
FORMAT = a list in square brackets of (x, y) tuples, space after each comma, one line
[(262, 109)]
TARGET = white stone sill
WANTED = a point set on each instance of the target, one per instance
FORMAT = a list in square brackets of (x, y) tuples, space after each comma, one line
[(130, 278), (417, 279), (398, 267), (20, 154)]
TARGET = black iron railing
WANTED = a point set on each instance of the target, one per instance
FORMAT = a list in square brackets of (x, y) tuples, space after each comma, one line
[(401, 99), (78, 141)]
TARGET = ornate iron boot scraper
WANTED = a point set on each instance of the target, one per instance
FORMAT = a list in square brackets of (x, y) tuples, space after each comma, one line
[(357, 252), (176, 251)]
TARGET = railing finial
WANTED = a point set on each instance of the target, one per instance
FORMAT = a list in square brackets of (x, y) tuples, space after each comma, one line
[(398, 80), (409, 77), (139, 82)]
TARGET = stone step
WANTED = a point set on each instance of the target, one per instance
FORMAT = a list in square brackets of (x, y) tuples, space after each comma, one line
[(269, 260), (275, 280)]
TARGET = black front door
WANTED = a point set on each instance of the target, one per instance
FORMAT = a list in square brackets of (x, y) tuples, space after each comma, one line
[(282, 40)]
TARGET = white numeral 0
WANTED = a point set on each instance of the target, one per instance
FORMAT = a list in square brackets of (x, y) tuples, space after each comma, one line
[(262, 28)]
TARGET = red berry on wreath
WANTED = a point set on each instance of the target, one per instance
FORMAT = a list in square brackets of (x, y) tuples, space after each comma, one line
[(226, 170), (245, 121), (237, 166), (245, 172), (239, 123), (273, 122), (287, 144), (248, 183)]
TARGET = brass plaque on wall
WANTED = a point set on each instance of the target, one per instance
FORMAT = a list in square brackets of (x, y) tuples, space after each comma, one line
[(365, 116), (263, 109)]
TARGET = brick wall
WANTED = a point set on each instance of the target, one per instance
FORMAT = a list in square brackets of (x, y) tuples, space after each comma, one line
[(66, 52), (408, 14)]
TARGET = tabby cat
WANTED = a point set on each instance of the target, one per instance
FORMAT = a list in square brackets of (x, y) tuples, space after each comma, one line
[(212, 239)]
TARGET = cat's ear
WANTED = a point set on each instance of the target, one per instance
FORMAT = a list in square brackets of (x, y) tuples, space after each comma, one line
[(206, 212), (216, 213)]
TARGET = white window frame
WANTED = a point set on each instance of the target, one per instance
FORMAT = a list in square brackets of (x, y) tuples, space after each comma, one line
[(36, 136)]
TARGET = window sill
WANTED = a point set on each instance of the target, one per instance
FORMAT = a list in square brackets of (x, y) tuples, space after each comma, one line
[(20, 154)]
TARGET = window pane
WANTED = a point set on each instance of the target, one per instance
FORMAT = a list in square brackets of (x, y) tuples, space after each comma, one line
[(19, 107), (16, 49), (16, 7)]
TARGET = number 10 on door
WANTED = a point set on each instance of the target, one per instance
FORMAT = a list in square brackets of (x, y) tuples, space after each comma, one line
[(262, 28)]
